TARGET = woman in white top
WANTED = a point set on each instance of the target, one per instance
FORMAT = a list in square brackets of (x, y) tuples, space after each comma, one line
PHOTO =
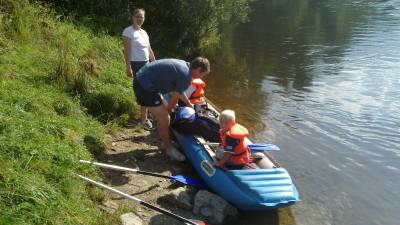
[(138, 52)]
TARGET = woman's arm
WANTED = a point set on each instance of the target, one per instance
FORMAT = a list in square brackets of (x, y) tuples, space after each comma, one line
[(152, 57), (127, 55)]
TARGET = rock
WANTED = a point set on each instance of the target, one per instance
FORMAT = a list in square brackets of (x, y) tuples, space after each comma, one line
[(159, 220), (130, 219), (214, 208), (142, 214), (139, 181), (109, 206), (182, 197)]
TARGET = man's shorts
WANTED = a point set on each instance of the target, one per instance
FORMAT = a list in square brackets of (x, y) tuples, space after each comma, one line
[(146, 98)]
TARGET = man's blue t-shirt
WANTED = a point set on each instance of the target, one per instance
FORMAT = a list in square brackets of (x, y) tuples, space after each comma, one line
[(165, 75)]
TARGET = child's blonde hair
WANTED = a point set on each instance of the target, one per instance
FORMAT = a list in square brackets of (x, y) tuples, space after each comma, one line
[(227, 115)]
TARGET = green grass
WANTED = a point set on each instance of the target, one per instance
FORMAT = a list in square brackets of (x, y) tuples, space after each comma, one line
[(59, 85)]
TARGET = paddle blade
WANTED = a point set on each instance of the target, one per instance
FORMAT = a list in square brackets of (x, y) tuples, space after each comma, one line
[(197, 183), (263, 147)]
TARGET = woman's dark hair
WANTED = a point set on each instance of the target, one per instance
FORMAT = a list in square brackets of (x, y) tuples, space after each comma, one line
[(201, 62)]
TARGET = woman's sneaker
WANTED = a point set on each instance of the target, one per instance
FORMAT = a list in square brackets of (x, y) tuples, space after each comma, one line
[(174, 154), (147, 125)]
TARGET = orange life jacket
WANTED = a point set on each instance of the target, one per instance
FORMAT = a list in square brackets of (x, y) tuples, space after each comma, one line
[(236, 138), (198, 95)]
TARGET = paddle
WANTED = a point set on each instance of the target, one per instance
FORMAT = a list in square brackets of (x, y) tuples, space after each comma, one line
[(179, 178), (156, 208), (257, 147)]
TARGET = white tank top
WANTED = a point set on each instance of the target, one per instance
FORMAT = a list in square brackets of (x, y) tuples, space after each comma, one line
[(140, 43)]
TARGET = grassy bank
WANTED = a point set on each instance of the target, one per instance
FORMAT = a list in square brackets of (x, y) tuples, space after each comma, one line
[(59, 85)]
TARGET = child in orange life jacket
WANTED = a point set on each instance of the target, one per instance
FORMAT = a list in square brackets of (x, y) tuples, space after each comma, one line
[(233, 141), (195, 93)]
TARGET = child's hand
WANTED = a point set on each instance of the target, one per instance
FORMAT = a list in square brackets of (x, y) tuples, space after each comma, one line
[(219, 164), (216, 164)]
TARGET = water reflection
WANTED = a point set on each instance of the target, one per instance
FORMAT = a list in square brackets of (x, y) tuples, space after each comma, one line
[(283, 38), (320, 78), (231, 82)]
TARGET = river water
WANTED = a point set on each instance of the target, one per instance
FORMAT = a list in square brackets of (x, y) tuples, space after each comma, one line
[(322, 80)]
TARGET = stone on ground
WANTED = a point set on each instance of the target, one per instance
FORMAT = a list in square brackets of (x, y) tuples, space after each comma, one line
[(214, 208), (130, 219), (182, 197)]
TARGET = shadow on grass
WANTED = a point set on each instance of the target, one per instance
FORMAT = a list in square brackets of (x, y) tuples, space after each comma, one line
[(107, 106), (94, 145)]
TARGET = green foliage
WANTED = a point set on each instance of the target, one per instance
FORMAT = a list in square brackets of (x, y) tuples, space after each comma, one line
[(51, 72), (107, 105), (177, 28), (58, 53), (39, 153)]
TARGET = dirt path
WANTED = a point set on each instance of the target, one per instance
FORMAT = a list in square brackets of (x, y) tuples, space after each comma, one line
[(141, 150)]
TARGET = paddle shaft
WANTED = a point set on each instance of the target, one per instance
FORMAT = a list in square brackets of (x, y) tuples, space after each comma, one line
[(177, 178), (211, 143), (253, 147), (121, 168), (158, 209)]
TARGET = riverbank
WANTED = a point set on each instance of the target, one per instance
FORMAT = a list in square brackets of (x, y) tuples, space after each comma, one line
[(61, 89)]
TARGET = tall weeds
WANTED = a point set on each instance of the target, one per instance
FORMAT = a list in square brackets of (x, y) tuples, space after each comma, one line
[(52, 74)]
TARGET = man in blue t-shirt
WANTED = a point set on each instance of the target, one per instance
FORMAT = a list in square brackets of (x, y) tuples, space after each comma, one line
[(167, 76)]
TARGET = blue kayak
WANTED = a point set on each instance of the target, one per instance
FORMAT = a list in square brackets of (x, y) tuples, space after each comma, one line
[(267, 186), (247, 189)]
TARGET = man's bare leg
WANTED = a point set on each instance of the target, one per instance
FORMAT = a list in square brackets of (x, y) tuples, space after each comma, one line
[(143, 113), (163, 120), (162, 117)]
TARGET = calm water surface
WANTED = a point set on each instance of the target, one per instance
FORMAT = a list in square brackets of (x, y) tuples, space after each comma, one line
[(322, 80)]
